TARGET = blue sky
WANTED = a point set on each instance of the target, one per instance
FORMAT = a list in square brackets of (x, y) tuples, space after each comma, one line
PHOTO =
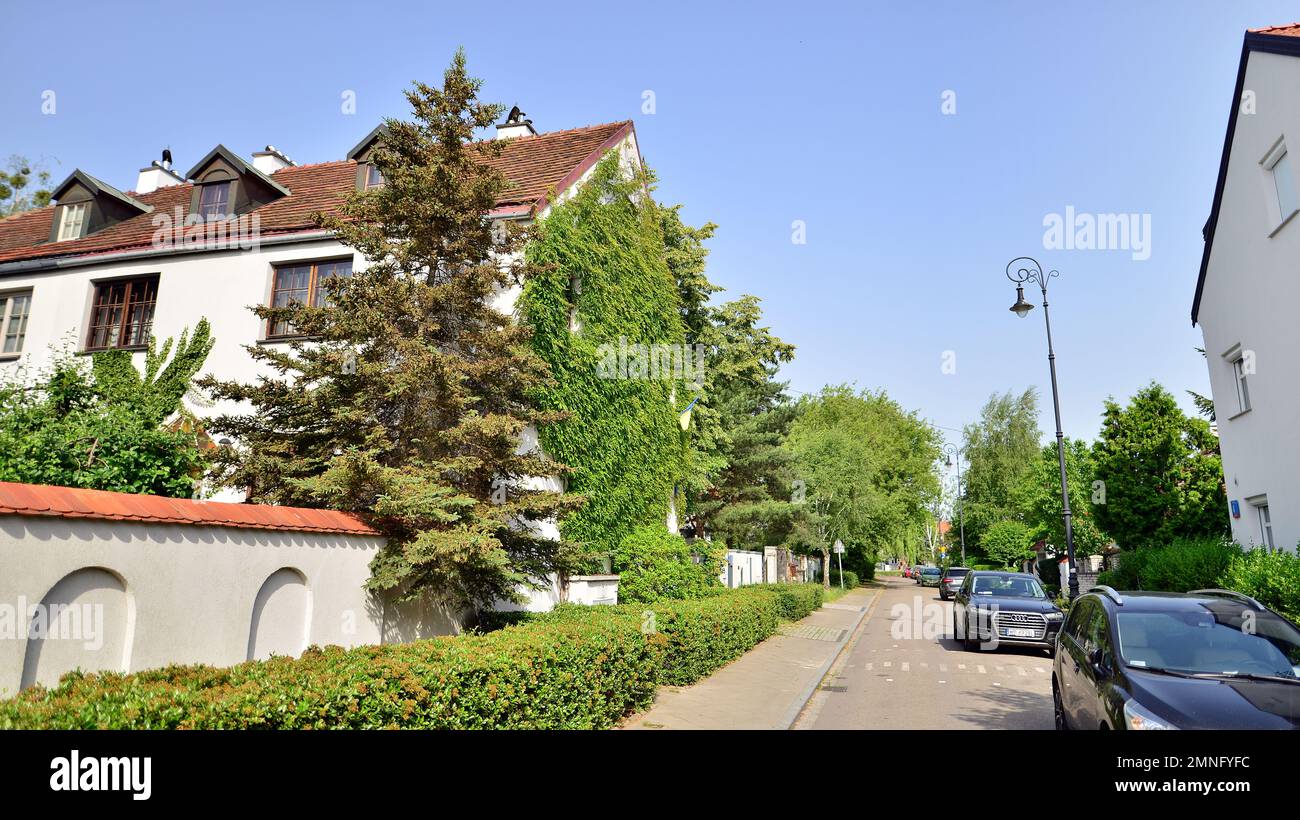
[(829, 113)]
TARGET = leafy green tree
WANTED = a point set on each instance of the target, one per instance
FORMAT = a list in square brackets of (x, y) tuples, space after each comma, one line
[(1001, 450), (409, 403), (740, 484), (23, 188), (868, 467), (1007, 542), (101, 428), (1161, 471), (1039, 499)]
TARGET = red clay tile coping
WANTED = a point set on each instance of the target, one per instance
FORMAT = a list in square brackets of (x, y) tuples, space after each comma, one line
[(70, 502)]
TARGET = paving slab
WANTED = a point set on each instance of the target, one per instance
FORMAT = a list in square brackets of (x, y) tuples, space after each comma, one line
[(768, 686)]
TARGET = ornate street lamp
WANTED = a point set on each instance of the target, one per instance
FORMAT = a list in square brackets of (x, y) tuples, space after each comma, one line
[(954, 453), (1021, 270)]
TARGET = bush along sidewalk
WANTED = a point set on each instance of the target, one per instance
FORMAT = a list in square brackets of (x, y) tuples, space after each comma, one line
[(576, 667)]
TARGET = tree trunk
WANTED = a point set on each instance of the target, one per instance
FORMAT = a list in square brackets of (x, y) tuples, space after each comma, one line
[(826, 568)]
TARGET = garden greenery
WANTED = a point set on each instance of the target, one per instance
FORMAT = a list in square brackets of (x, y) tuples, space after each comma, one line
[(602, 285), (577, 667)]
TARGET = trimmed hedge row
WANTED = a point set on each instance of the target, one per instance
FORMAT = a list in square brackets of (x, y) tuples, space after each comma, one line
[(574, 668), (1273, 578)]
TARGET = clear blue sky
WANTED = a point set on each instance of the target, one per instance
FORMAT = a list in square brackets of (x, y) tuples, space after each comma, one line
[(766, 113)]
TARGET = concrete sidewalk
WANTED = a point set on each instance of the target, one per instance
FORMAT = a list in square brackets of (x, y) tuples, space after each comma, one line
[(768, 686)]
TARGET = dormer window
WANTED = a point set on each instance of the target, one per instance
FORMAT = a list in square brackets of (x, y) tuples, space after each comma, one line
[(87, 205), (225, 186), (214, 200), (71, 220), (373, 178)]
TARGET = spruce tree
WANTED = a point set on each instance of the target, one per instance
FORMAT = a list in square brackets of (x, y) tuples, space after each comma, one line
[(406, 398)]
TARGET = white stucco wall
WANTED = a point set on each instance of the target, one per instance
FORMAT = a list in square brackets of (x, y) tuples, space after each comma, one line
[(1251, 299), (189, 594), (742, 568)]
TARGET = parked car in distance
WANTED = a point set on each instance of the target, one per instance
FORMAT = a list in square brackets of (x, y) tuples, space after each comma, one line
[(1004, 608), (930, 576), (1209, 659), (951, 581)]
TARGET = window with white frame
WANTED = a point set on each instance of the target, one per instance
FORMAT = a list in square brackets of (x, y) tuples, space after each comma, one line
[(1277, 163), (71, 221), (1265, 522), (1241, 370), (14, 309)]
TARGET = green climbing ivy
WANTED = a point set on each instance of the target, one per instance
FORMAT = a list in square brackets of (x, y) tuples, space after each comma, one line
[(602, 262)]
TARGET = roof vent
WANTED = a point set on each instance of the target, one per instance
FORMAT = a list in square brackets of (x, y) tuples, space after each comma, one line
[(516, 125), (159, 174)]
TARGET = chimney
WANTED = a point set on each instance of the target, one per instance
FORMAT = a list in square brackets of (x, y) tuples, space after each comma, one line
[(516, 126), (271, 160), (158, 175)]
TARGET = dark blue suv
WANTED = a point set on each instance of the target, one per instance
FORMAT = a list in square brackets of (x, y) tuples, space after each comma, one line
[(1209, 659)]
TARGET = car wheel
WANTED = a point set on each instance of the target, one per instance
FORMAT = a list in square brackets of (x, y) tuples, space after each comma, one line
[(1058, 709)]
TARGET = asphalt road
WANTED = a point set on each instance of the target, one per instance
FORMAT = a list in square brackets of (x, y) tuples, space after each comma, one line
[(902, 671)]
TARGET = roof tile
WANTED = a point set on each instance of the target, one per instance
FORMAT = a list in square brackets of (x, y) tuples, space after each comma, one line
[(534, 165), (71, 502)]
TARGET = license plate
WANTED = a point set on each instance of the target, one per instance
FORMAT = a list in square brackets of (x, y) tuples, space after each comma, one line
[(1014, 632)]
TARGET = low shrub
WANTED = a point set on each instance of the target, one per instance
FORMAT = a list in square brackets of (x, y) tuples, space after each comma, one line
[(576, 667), (1183, 564), (1272, 578), (654, 564)]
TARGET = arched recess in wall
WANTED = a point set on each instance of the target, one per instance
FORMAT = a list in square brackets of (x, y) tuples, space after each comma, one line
[(281, 616), (85, 621)]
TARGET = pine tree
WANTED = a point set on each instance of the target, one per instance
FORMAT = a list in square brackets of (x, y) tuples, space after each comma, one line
[(408, 403)]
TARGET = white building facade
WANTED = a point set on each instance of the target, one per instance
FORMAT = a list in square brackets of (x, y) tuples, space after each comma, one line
[(103, 269), (1248, 294)]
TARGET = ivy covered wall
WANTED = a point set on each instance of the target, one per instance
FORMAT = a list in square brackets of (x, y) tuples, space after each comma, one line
[(602, 253)]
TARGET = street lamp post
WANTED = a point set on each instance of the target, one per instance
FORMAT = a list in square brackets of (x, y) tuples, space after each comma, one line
[(954, 452), (1021, 270)]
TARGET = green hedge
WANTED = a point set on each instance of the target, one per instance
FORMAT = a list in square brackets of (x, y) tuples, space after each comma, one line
[(1181, 565), (1272, 578), (574, 668)]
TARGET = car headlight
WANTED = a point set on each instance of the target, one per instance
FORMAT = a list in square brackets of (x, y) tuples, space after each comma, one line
[(1055, 616), (1139, 718)]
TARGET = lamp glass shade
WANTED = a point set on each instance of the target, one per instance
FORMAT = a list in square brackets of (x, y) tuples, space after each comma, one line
[(1021, 308)]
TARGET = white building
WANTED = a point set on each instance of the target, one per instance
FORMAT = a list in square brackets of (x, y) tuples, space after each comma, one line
[(1248, 293), (101, 269)]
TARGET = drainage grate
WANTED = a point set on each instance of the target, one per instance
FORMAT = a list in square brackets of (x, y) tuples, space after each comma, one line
[(813, 633)]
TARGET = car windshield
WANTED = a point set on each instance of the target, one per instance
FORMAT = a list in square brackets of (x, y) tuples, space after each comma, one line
[(931, 571), (1008, 587), (957, 573), (1217, 639)]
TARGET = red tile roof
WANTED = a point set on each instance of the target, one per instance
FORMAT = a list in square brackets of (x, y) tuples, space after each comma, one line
[(1285, 30), (533, 165), (69, 502)]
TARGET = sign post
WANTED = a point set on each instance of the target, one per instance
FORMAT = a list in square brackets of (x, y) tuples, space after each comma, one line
[(839, 551)]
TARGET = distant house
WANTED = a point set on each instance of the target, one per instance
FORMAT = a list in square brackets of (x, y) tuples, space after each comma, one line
[(1247, 299)]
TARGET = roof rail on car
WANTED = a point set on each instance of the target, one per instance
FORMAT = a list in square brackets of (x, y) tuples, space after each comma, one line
[(1228, 593), (1109, 592)]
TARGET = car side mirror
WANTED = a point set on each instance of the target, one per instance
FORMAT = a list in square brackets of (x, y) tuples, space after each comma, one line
[(1097, 658)]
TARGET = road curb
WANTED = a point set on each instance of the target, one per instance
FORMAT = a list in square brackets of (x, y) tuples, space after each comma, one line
[(801, 703)]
